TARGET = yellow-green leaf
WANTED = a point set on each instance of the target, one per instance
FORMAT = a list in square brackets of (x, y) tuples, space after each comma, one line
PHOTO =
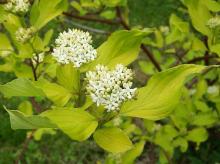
[(113, 140), (161, 95), (77, 124)]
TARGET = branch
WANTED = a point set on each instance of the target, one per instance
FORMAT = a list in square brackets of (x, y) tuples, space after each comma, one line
[(89, 28), (206, 55), (205, 58), (24, 148), (90, 18)]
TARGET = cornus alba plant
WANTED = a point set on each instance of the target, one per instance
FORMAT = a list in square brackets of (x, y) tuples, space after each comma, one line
[(83, 91)]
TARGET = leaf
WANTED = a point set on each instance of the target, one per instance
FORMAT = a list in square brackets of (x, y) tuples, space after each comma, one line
[(199, 15), (204, 119), (113, 140), (212, 5), (215, 48), (56, 93), (121, 47), (77, 124), (161, 95), (131, 155), (26, 108), (182, 142), (68, 77), (108, 14), (43, 11), (21, 87), (197, 135), (47, 37), (179, 24), (5, 45), (21, 121), (40, 132)]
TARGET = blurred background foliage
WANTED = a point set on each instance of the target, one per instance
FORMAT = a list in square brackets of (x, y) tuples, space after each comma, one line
[(61, 149)]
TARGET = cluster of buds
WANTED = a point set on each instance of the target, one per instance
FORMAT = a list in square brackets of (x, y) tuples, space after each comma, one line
[(74, 46), (17, 6), (24, 34), (110, 88), (213, 22)]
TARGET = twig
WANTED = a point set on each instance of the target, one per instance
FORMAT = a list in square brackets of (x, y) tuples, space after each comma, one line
[(121, 19), (144, 48), (197, 59), (89, 28), (35, 104), (206, 55), (89, 18), (25, 146)]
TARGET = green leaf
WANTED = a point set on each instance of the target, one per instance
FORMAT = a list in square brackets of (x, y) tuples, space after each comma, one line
[(20, 87), (56, 93), (113, 140), (43, 11), (68, 77), (21, 121), (129, 156), (197, 135), (78, 7), (199, 14), (179, 24), (5, 45), (212, 5), (182, 142), (215, 48), (121, 47), (204, 119), (77, 124), (108, 14), (161, 95), (40, 132), (47, 37), (26, 108), (114, 3)]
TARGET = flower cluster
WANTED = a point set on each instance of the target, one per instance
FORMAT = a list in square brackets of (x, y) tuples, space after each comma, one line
[(24, 34), (213, 22), (17, 6), (74, 46), (110, 88)]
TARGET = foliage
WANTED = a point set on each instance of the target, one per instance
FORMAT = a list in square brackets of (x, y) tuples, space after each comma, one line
[(172, 109)]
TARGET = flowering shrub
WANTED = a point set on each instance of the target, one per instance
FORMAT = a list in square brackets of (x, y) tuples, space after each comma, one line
[(89, 92)]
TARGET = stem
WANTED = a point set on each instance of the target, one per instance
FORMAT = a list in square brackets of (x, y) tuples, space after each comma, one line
[(197, 59), (206, 55), (24, 148), (89, 18)]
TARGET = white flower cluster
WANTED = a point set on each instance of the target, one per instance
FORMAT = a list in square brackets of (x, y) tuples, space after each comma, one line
[(24, 34), (110, 88), (74, 46), (17, 6), (213, 22)]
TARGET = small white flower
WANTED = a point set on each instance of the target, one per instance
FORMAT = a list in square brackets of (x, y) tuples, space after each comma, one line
[(24, 34), (110, 88), (213, 22), (74, 46), (17, 6)]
